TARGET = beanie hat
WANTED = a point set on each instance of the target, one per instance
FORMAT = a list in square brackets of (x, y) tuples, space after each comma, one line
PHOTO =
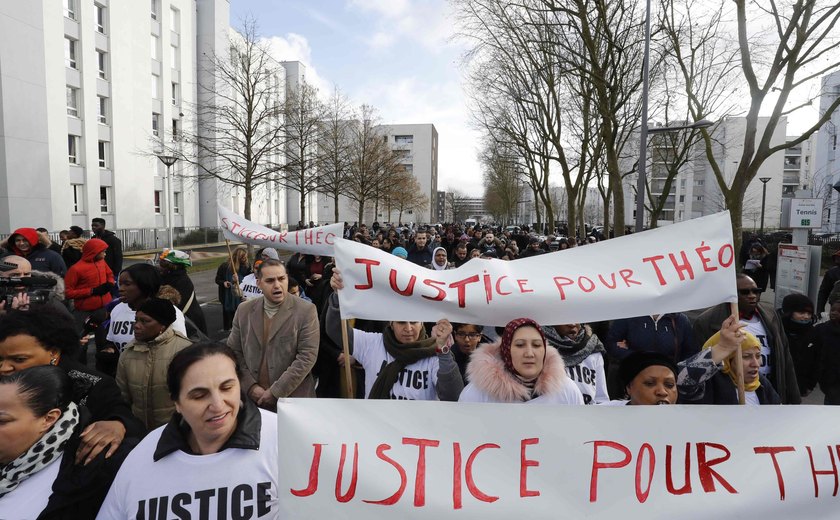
[(159, 310), (796, 302), (507, 339), (270, 253), (176, 257), (400, 252), (638, 361)]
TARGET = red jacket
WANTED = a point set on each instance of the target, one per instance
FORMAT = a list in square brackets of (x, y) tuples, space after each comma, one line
[(85, 275)]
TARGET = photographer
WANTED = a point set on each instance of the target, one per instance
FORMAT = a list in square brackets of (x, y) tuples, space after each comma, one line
[(21, 288)]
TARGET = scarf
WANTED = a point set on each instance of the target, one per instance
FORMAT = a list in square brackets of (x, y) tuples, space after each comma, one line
[(44, 452), (434, 264), (748, 342), (404, 354), (573, 350)]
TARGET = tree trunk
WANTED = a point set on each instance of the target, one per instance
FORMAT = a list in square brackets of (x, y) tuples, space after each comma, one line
[(735, 205), (335, 206), (303, 207), (571, 218), (607, 215), (361, 212), (248, 195)]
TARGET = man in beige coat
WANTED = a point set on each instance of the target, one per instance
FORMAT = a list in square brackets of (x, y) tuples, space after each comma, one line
[(275, 339)]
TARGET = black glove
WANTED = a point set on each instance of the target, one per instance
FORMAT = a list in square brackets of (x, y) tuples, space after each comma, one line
[(102, 290)]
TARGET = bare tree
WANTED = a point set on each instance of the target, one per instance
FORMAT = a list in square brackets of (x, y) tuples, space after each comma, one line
[(781, 47), (503, 181), (456, 205), (334, 148), (303, 113), (237, 134), (405, 194)]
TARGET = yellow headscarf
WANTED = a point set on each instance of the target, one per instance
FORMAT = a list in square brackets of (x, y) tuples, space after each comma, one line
[(749, 341)]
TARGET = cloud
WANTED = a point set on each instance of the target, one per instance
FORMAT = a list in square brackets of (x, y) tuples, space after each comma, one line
[(426, 22), (295, 47)]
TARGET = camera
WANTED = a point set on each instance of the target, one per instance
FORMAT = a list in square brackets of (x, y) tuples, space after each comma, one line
[(38, 288)]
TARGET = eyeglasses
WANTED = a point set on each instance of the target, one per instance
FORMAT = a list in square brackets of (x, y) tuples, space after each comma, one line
[(747, 292), (471, 335)]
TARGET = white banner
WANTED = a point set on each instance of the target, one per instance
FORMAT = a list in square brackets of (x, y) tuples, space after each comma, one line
[(314, 241), (342, 459), (684, 266)]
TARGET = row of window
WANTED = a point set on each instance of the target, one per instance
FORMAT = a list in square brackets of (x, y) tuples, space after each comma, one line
[(71, 60), (174, 90), (102, 105), (74, 151), (174, 15), (71, 10), (105, 200)]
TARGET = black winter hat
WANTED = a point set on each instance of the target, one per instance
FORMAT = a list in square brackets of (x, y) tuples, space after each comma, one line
[(796, 302), (638, 361), (159, 310)]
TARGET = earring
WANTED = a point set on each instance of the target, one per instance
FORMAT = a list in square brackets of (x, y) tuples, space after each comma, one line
[(53, 361)]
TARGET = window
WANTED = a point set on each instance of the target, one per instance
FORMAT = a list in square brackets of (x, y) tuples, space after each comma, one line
[(70, 53), (155, 87), (102, 64), (155, 124), (78, 198), (174, 57), (404, 139), (174, 93), (174, 20), (176, 203), (175, 129), (698, 198), (155, 48), (72, 101), (99, 18), (104, 199), (70, 9), (682, 198), (682, 183), (103, 154), (73, 149), (155, 9), (699, 182), (102, 110), (157, 201)]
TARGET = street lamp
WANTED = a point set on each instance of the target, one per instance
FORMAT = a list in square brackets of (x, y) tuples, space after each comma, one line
[(764, 181), (168, 160)]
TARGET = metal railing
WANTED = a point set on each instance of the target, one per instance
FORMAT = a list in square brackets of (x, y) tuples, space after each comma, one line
[(144, 239)]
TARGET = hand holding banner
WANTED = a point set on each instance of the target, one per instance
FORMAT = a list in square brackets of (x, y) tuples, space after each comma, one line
[(684, 266), (314, 241)]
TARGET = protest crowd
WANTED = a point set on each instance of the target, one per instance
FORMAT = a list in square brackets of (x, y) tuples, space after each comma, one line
[(168, 422)]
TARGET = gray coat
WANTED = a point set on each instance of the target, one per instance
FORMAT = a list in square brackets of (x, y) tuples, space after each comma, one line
[(292, 346)]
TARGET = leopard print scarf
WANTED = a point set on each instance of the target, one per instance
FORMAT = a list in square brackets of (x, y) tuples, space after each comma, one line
[(47, 450)]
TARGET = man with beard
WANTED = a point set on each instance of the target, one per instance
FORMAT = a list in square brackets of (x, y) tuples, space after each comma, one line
[(275, 339)]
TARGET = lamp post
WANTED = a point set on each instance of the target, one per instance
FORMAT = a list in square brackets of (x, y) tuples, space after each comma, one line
[(168, 160), (764, 181)]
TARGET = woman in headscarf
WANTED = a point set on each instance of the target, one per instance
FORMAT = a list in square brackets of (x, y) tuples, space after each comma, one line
[(583, 355), (39, 435), (519, 369), (439, 260)]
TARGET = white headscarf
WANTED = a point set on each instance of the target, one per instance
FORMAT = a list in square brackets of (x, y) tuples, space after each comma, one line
[(434, 264)]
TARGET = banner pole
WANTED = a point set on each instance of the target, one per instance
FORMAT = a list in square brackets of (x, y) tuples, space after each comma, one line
[(739, 361), (236, 290), (348, 375)]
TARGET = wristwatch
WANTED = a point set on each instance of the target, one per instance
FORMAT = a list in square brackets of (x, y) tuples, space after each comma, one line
[(442, 351)]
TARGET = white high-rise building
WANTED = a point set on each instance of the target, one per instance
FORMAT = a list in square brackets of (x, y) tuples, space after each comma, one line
[(695, 192), (417, 145), (826, 170)]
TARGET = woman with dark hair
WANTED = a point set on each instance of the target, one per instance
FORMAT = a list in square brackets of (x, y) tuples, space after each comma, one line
[(519, 369), (228, 277), (173, 271), (141, 373), (137, 283), (224, 443), (29, 339), (39, 435)]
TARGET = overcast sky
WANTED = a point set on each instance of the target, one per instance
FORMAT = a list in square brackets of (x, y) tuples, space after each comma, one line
[(396, 55)]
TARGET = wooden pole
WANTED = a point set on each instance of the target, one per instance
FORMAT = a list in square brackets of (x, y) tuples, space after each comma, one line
[(235, 286), (739, 361), (348, 374)]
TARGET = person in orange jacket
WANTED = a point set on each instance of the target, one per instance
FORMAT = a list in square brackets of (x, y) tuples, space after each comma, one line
[(89, 281)]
